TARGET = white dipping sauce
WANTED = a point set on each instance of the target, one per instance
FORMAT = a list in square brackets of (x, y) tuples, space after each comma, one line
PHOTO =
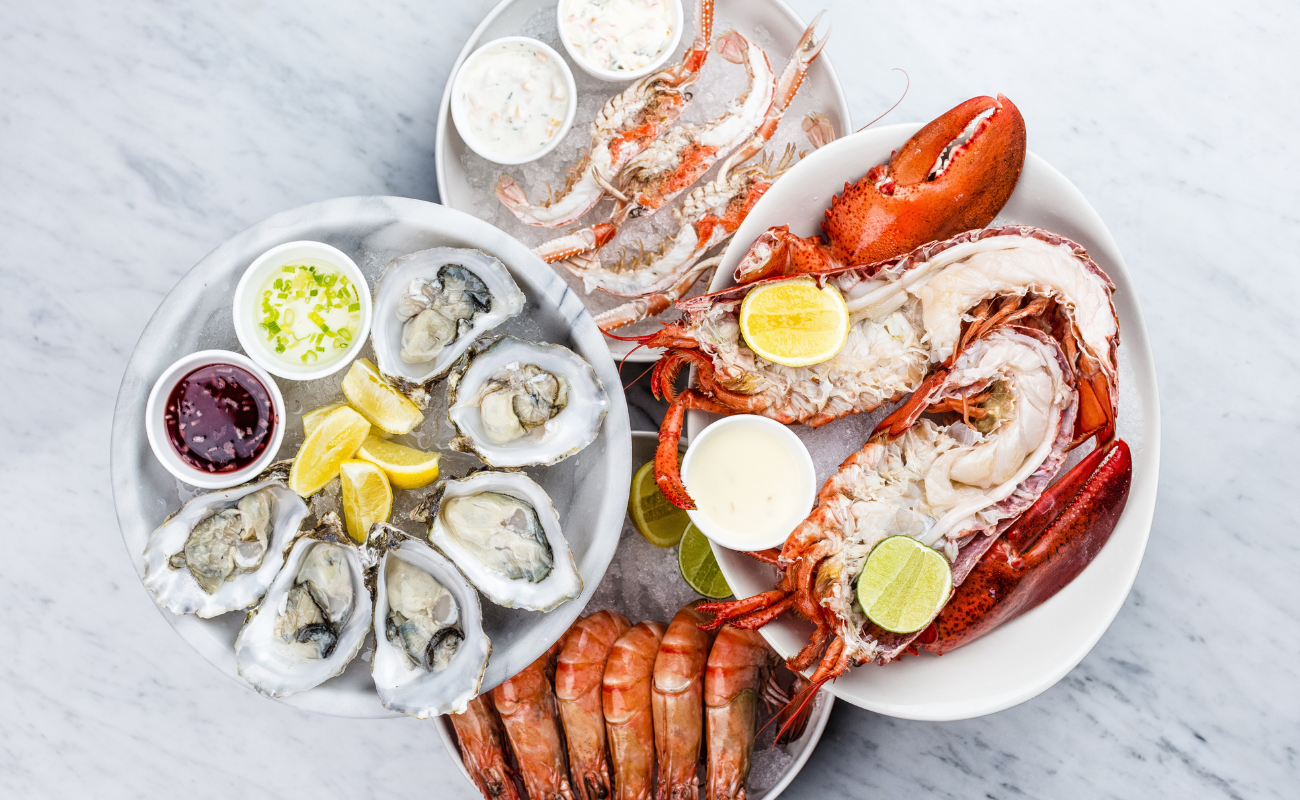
[(747, 481), (515, 98), (618, 34)]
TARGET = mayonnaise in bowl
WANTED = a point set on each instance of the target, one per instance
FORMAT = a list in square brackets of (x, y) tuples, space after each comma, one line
[(513, 100), (618, 40)]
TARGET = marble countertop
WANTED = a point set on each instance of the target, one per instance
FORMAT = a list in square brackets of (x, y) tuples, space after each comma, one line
[(136, 136)]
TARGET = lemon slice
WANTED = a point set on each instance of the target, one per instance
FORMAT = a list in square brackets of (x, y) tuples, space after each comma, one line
[(406, 467), (904, 584), (794, 322), (376, 399), (699, 568), (331, 442), (658, 520), (367, 497), (312, 418)]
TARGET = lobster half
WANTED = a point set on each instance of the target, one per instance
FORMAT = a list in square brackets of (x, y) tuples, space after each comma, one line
[(1005, 339)]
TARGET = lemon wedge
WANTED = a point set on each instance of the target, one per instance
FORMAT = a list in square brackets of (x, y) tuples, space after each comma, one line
[(377, 400), (406, 467), (312, 418), (367, 497), (904, 584), (331, 442), (794, 322)]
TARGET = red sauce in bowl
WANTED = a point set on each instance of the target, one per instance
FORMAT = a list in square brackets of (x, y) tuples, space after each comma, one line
[(219, 418)]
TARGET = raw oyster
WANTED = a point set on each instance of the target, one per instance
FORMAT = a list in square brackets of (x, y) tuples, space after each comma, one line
[(314, 617), (502, 532), (430, 306), (515, 403), (221, 551), (430, 648)]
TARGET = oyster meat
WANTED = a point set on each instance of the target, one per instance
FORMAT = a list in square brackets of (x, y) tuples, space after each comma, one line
[(515, 403), (222, 550), (433, 651), (311, 623), (501, 530), (429, 308)]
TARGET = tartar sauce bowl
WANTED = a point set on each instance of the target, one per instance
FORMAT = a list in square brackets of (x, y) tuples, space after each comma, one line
[(676, 17), (460, 112), (798, 476), (247, 309), (155, 427)]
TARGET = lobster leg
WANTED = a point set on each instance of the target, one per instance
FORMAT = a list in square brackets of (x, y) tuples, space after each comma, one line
[(667, 471), (735, 609), (1043, 551)]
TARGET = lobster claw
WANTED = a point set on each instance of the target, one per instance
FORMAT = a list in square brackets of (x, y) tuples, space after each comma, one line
[(1046, 548), (953, 175)]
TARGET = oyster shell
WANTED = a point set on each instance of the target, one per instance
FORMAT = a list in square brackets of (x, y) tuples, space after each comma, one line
[(313, 619), (222, 550), (430, 648), (502, 532), (430, 306), (516, 403)]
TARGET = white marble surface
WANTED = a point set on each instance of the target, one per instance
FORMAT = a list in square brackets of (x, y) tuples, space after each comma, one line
[(136, 136)]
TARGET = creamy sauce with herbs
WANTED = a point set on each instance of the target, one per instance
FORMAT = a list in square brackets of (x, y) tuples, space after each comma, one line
[(618, 34), (515, 99), (308, 313), (748, 482)]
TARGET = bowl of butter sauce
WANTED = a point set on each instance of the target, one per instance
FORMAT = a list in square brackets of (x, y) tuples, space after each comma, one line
[(513, 100), (215, 419), (752, 481), (620, 40)]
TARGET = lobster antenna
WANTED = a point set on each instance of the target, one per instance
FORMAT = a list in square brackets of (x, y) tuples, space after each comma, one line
[(895, 105)]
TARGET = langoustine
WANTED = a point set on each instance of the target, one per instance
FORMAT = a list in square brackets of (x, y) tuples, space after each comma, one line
[(626, 125), (579, 673)]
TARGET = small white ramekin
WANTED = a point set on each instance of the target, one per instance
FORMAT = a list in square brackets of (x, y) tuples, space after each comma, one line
[(247, 309), (678, 17), (156, 429), (458, 103), (807, 475)]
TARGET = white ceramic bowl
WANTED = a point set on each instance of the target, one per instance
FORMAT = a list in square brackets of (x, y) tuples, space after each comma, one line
[(246, 308), (1027, 655), (805, 480), (675, 13), (156, 430), (458, 103)]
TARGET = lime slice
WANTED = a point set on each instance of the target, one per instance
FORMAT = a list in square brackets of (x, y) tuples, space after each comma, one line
[(699, 568), (904, 584), (658, 520), (795, 322)]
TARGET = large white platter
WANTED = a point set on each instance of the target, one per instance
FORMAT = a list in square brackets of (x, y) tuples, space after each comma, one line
[(589, 489), (466, 180), (1025, 657), (643, 582)]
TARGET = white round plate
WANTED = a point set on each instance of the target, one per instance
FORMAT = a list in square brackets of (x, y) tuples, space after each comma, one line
[(643, 582), (466, 180), (589, 489), (1026, 656)]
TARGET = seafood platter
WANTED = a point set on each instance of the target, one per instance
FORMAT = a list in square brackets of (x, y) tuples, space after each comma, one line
[(635, 201)]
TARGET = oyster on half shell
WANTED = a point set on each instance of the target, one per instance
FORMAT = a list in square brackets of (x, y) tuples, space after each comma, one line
[(222, 550), (430, 648), (516, 403), (501, 530), (314, 618), (430, 306)]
